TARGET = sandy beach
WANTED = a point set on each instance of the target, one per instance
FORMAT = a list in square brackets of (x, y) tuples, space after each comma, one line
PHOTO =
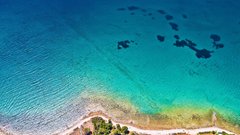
[(180, 120), (136, 129), (2, 132), (126, 115)]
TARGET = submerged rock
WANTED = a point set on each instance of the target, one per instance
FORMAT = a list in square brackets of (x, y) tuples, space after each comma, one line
[(190, 43), (131, 8), (176, 37), (132, 13), (218, 45), (160, 38), (121, 9), (161, 11), (215, 37), (174, 26), (179, 43), (124, 44), (184, 16), (204, 53), (169, 17)]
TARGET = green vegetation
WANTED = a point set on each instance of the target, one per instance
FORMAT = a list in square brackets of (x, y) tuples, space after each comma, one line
[(224, 133), (101, 127), (180, 134), (87, 131), (213, 133)]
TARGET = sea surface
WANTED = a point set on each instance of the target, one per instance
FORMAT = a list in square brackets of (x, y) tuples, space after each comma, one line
[(155, 54)]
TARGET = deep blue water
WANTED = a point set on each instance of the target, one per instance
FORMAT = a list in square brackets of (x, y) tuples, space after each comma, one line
[(53, 51)]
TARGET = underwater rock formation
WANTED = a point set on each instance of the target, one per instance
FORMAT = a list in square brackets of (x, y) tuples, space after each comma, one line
[(124, 44), (203, 53), (169, 17), (132, 13), (174, 26), (176, 37), (200, 53), (179, 43), (218, 45), (184, 16), (161, 11), (215, 37), (131, 8), (160, 38), (121, 9)]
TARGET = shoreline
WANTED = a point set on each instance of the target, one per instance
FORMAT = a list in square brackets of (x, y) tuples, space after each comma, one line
[(140, 130), (3, 132), (127, 115), (131, 127)]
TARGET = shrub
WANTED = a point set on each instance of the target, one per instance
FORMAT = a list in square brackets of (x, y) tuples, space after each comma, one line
[(116, 132), (87, 131), (109, 121), (105, 128), (125, 130), (132, 133), (118, 127)]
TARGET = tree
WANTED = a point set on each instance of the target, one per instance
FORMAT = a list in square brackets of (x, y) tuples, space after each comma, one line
[(109, 121), (87, 131), (125, 130), (115, 132), (118, 127)]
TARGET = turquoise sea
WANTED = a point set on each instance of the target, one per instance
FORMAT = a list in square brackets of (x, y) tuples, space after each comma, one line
[(153, 53)]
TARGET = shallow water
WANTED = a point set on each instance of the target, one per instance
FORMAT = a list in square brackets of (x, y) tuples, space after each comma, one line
[(52, 51)]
